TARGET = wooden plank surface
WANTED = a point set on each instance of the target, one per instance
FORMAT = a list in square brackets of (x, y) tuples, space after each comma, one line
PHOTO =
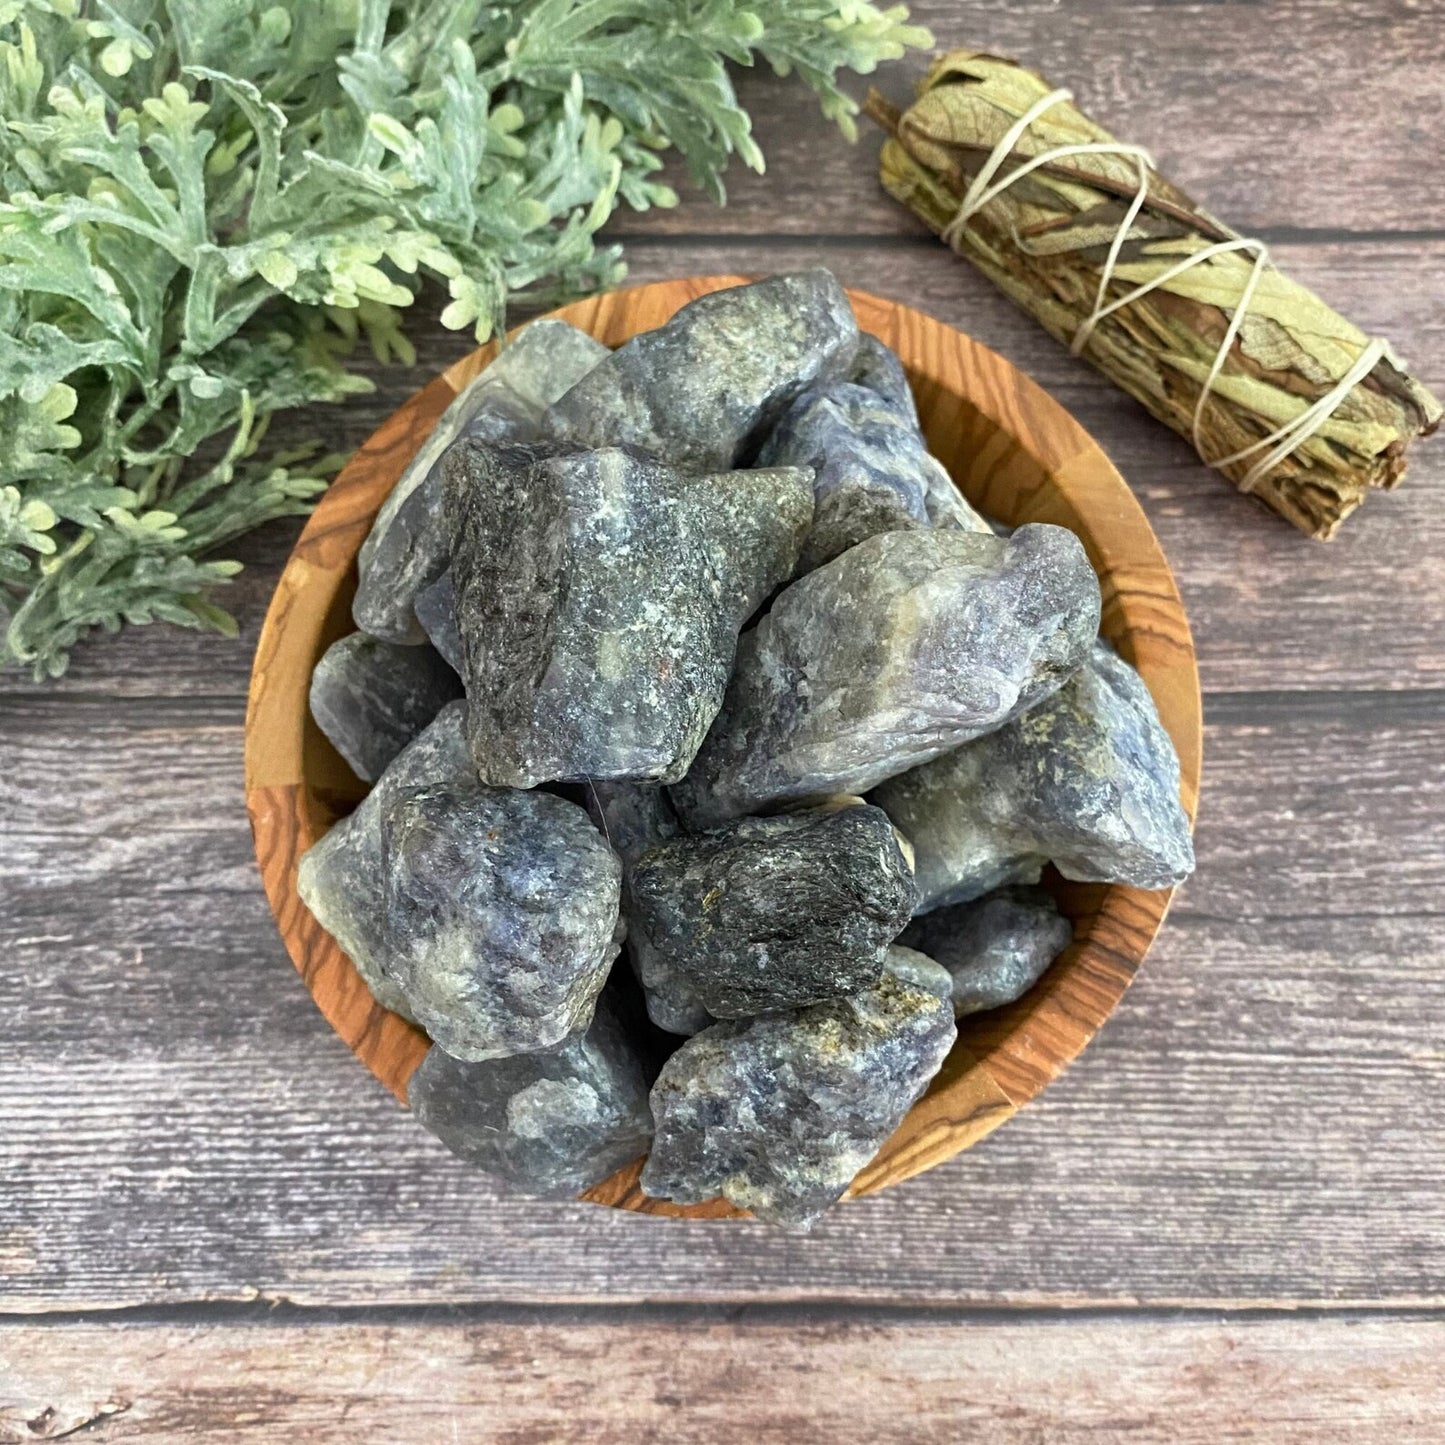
[(1270, 608), (703, 1378), (1264, 1118), (1281, 116), (1262, 1123)]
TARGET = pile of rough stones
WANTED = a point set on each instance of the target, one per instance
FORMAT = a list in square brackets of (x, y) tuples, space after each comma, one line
[(692, 648)]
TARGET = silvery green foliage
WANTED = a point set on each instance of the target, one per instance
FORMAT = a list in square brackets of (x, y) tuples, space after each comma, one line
[(635, 817), (206, 201), (599, 596), (902, 648), (702, 391), (501, 915), (551, 1123), (994, 949), (408, 546), (778, 1113), (1088, 780), (774, 913), (340, 877), (371, 698)]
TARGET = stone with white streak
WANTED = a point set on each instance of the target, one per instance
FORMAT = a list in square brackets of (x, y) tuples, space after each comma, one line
[(1088, 780), (899, 650)]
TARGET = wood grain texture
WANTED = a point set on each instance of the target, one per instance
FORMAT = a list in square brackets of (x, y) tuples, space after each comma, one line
[(1264, 1118), (1017, 455), (177, 1122), (1270, 611), (703, 1380), (1279, 115)]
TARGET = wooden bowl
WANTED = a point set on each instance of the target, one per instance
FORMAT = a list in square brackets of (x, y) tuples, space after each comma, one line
[(1016, 454)]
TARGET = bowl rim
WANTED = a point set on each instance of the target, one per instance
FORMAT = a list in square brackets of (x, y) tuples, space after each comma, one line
[(1010, 1055)]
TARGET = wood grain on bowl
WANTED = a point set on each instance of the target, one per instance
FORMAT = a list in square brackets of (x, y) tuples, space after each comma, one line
[(1016, 454)]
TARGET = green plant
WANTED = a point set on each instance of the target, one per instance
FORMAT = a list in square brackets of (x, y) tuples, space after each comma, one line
[(207, 201)]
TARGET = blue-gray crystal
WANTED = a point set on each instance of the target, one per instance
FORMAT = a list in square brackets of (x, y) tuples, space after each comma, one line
[(946, 506), (501, 915), (551, 1123), (407, 548), (599, 597), (436, 610), (871, 469), (371, 698), (774, 913), (920, 971), (703, 390), (635, 817), (1088, 780), (340, 877), (902, 648), (778, 1113), (878, 367), (994, 949)]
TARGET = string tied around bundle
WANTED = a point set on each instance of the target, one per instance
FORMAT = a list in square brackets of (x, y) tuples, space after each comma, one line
[(1281, 443)]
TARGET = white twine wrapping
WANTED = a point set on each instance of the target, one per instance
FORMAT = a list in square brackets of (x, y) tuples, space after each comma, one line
[(1279, 444)]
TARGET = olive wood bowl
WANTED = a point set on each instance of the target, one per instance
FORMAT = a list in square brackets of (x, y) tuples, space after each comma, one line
[(1017, 455)]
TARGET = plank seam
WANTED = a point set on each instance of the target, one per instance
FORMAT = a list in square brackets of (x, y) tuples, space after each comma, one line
[(280, 1312)]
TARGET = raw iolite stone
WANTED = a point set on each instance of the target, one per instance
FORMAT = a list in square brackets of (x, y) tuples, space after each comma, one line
[(371, 698), (436, 610), (700, 392), (946, 505), (878, 367), (1088, 780), (920, 971), (902, 648), (635, 817), (501, 915), (599, 596), (340, 877), (774, 913), (872, 471), (779, 1113), (550, 1123), (994, 949), (407, 548)]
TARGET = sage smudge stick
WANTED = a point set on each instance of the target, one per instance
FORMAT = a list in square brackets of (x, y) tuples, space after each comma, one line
[(1274, 388)]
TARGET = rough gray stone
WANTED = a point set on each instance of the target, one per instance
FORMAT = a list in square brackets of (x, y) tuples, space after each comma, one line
[(551, 1123), (635, 817), (501, 915), (994, 949), (340, 877), (877, 367), (436, 610), (946, 506), (1088, 780), (751, 525), (599, 603), (406, 550), (779, 1113), (774, 913), (902, 648), (700, 392), (919, 971), (872, 471), (371, 698)]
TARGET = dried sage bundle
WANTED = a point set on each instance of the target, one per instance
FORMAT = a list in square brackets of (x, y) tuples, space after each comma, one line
[(1274, 388)]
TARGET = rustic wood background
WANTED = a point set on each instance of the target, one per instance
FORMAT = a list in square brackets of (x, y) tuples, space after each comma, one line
[(1227, 1222)]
